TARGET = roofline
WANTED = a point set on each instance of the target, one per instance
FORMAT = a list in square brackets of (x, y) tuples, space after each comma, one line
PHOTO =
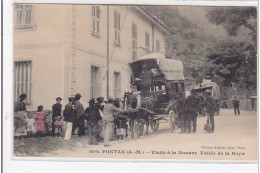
[(152, 18)]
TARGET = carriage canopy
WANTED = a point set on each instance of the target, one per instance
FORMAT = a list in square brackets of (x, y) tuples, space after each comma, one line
[(170, 69), (215, 92)]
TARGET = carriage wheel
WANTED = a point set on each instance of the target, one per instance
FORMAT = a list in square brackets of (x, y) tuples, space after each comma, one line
[(172, 120), (155, 125)]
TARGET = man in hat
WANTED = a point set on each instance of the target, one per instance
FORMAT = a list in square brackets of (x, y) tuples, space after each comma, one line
[(100, 104), (92, 116), (181, 112), (210, 105), (108, 118), (236, 105), (56, 111), (68, 115), (146, 80), (79, 119), (192, 106)]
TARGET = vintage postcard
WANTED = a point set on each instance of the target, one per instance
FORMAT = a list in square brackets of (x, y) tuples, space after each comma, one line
[(140, 82)]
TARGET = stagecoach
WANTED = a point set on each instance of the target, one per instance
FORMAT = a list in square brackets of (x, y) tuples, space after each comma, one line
[(215, 92), (167, 84)]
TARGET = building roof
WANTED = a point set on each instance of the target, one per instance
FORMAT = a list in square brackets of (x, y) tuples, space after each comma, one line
[(151, 18)]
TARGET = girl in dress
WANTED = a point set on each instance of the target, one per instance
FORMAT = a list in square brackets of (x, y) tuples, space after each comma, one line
[(30, 126), (58, 126), (40, 121)]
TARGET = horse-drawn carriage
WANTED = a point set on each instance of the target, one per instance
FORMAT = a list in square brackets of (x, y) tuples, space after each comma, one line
[(167, 84)]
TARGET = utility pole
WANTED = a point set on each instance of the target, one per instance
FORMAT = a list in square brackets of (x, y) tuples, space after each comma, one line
[(107, 51), (204, 56)]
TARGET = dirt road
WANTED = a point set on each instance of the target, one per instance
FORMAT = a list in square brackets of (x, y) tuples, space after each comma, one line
[(235, 138)]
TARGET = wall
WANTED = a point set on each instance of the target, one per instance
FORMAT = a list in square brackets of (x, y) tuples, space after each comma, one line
[(62, 50), (44, 46)]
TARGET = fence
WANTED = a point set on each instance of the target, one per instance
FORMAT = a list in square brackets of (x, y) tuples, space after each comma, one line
[(245, 104)]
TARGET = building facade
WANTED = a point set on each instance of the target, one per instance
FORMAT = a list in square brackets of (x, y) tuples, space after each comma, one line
[(61, 50)]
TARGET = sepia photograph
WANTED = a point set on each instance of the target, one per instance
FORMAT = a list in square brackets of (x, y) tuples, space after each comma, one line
[(141, 82)]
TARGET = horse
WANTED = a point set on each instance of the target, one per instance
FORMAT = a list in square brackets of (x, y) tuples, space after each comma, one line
[(134, 101)]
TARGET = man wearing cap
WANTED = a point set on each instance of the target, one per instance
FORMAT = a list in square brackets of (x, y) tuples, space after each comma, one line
[(192, 106), (92, 116), (210, 104), (100, 104), (79, 119), (236, 105), (108, 119), (146, 80), (181, 112), (68, 115), (56, 111)]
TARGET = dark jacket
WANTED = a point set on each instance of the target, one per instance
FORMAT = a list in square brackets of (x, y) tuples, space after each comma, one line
[(92, 115), (19, 106), (56, 109), (99, 106), (68, 113), (78, 110), (180, 105), (236, 103), (192, 104), (146, 76), (210, 104)]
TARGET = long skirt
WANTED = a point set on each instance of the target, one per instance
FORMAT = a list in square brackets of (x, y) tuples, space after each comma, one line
[(19, 123)]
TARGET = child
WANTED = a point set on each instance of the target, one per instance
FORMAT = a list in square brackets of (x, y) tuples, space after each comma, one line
[(58, 126), (30, 126), (40, 121), (48, 129)]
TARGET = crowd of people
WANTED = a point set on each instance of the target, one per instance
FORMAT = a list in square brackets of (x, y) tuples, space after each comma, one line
[(188, 109), (41, 124)]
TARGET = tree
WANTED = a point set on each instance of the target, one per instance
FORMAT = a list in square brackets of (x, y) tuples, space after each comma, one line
[(236, 62), (233, 18), (233, 64)]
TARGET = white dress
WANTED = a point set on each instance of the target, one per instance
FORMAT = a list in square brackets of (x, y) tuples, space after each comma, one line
[(30, 124)]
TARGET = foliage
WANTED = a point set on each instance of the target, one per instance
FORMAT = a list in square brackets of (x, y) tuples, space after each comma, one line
[(185, 41), (228, 63), (235, 62), (233, 18)]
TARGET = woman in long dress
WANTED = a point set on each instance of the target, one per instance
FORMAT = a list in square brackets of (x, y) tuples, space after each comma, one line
[(20, 115)]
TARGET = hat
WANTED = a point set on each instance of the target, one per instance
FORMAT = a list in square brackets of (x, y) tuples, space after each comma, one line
[(71, 98), (92, 100), (207, 91), (100, 99), (77, 96), (109, 99), (58, 98), (22, 96)]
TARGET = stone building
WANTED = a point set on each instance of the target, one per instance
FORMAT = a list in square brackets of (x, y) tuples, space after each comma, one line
[(60, 50)]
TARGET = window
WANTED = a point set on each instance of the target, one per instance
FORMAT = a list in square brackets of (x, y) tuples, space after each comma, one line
[(95, 86), (174, 87), (117, 28), (134, 41), (147, 41), (95, 20), (24, 16), (117, 86), (157, 46), (22, 78)]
